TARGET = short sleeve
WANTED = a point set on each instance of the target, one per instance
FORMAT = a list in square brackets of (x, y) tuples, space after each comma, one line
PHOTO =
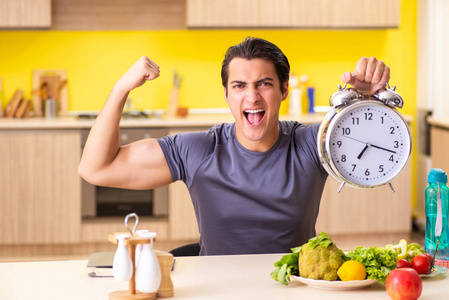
[(306, 141), (184, 152)]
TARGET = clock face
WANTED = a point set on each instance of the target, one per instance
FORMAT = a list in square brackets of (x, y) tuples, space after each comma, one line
[(369, 144)]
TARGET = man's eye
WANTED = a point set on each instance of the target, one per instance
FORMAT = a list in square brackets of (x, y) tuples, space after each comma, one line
[(266, 83), (237, 86)]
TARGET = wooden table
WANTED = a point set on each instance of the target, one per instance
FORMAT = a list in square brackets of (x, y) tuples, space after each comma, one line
[(211, 277)]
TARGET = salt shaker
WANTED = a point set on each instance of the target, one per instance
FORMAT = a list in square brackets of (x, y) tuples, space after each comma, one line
[(148, 272), (139, 246), (122, 266)]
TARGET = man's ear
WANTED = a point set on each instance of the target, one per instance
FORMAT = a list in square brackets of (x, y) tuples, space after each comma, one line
[(285, 90), (225, 93)]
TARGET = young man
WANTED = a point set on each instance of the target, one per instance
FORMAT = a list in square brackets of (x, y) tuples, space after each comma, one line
[(255, 184)]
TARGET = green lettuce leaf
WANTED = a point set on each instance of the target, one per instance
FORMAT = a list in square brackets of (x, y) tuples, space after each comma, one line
[(378, 262), (286, 266), (323, 239)]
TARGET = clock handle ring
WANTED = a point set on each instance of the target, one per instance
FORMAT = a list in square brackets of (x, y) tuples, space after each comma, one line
[(342, 88)]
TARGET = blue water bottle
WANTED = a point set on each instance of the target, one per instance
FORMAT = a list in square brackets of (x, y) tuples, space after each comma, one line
[(437, 209)]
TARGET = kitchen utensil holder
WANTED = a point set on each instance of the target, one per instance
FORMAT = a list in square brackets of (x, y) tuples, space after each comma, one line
[(165, 262)]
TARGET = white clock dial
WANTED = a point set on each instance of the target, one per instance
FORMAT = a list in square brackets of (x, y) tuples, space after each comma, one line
[(369, 144)]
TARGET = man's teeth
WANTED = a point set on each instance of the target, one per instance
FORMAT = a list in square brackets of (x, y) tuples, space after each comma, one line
[(254, 111)]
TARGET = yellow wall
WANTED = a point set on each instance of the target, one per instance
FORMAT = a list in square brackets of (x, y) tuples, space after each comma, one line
[(95, 60)]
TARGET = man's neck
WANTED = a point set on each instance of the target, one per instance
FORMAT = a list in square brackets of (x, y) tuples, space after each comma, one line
[(261, 145)]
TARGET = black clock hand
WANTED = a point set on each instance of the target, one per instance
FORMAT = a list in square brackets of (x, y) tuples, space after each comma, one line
[(367, 145), (363, 151), (383, 148)]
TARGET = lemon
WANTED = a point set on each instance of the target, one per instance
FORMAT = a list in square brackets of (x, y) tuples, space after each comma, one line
[(351, 270)]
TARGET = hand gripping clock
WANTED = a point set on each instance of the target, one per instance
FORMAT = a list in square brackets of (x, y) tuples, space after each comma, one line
[(363, 140)]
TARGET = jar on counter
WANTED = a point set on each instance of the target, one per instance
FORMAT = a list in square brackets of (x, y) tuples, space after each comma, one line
[(50, 108)]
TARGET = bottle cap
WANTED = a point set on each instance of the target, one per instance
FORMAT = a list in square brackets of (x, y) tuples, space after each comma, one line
[(437, 175)]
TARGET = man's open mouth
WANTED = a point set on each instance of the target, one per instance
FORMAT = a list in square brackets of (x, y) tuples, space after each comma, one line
[(254, 116)]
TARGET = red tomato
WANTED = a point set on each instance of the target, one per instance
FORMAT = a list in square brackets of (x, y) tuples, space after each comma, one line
[(421, 264), (404, 284), (403, 263), (429, 256)]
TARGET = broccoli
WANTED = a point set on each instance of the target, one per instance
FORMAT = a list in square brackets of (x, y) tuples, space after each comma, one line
[(320, 261), (317, 259)]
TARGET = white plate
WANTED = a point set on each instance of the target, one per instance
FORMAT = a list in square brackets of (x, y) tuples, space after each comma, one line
[(335, 285), (435, 271)]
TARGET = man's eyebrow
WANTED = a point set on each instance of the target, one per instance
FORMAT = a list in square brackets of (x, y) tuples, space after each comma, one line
[(257, 82), (265, 79), (238, 81)]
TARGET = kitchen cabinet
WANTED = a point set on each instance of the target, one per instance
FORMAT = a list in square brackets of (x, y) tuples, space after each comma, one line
[(293, 13), (39, 187), (439, 145), (366, 211), (182, 220), (118, 15), (25, 14)]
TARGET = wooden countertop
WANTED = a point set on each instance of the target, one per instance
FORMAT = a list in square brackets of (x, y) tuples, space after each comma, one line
[(207, 277), (199, 120), (191, 121), (439, 122)]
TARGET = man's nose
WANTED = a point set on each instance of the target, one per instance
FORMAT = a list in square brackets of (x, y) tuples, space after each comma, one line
[(252, 94)]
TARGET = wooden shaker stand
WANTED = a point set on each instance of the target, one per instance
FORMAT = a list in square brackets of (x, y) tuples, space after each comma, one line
[(165, 259)]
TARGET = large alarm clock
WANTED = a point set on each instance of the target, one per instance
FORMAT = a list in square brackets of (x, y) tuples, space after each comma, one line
[(363, 141)]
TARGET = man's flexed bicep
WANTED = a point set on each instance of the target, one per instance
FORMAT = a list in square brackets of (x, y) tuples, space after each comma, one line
[(104, 162), (139, 165)]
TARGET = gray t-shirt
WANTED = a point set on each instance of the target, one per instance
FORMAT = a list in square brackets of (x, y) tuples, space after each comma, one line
[(250, 202)]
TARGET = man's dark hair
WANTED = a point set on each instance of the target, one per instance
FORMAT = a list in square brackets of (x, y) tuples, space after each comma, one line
[(257, 48)]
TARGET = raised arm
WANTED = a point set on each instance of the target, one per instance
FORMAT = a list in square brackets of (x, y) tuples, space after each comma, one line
[(139, 165)]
